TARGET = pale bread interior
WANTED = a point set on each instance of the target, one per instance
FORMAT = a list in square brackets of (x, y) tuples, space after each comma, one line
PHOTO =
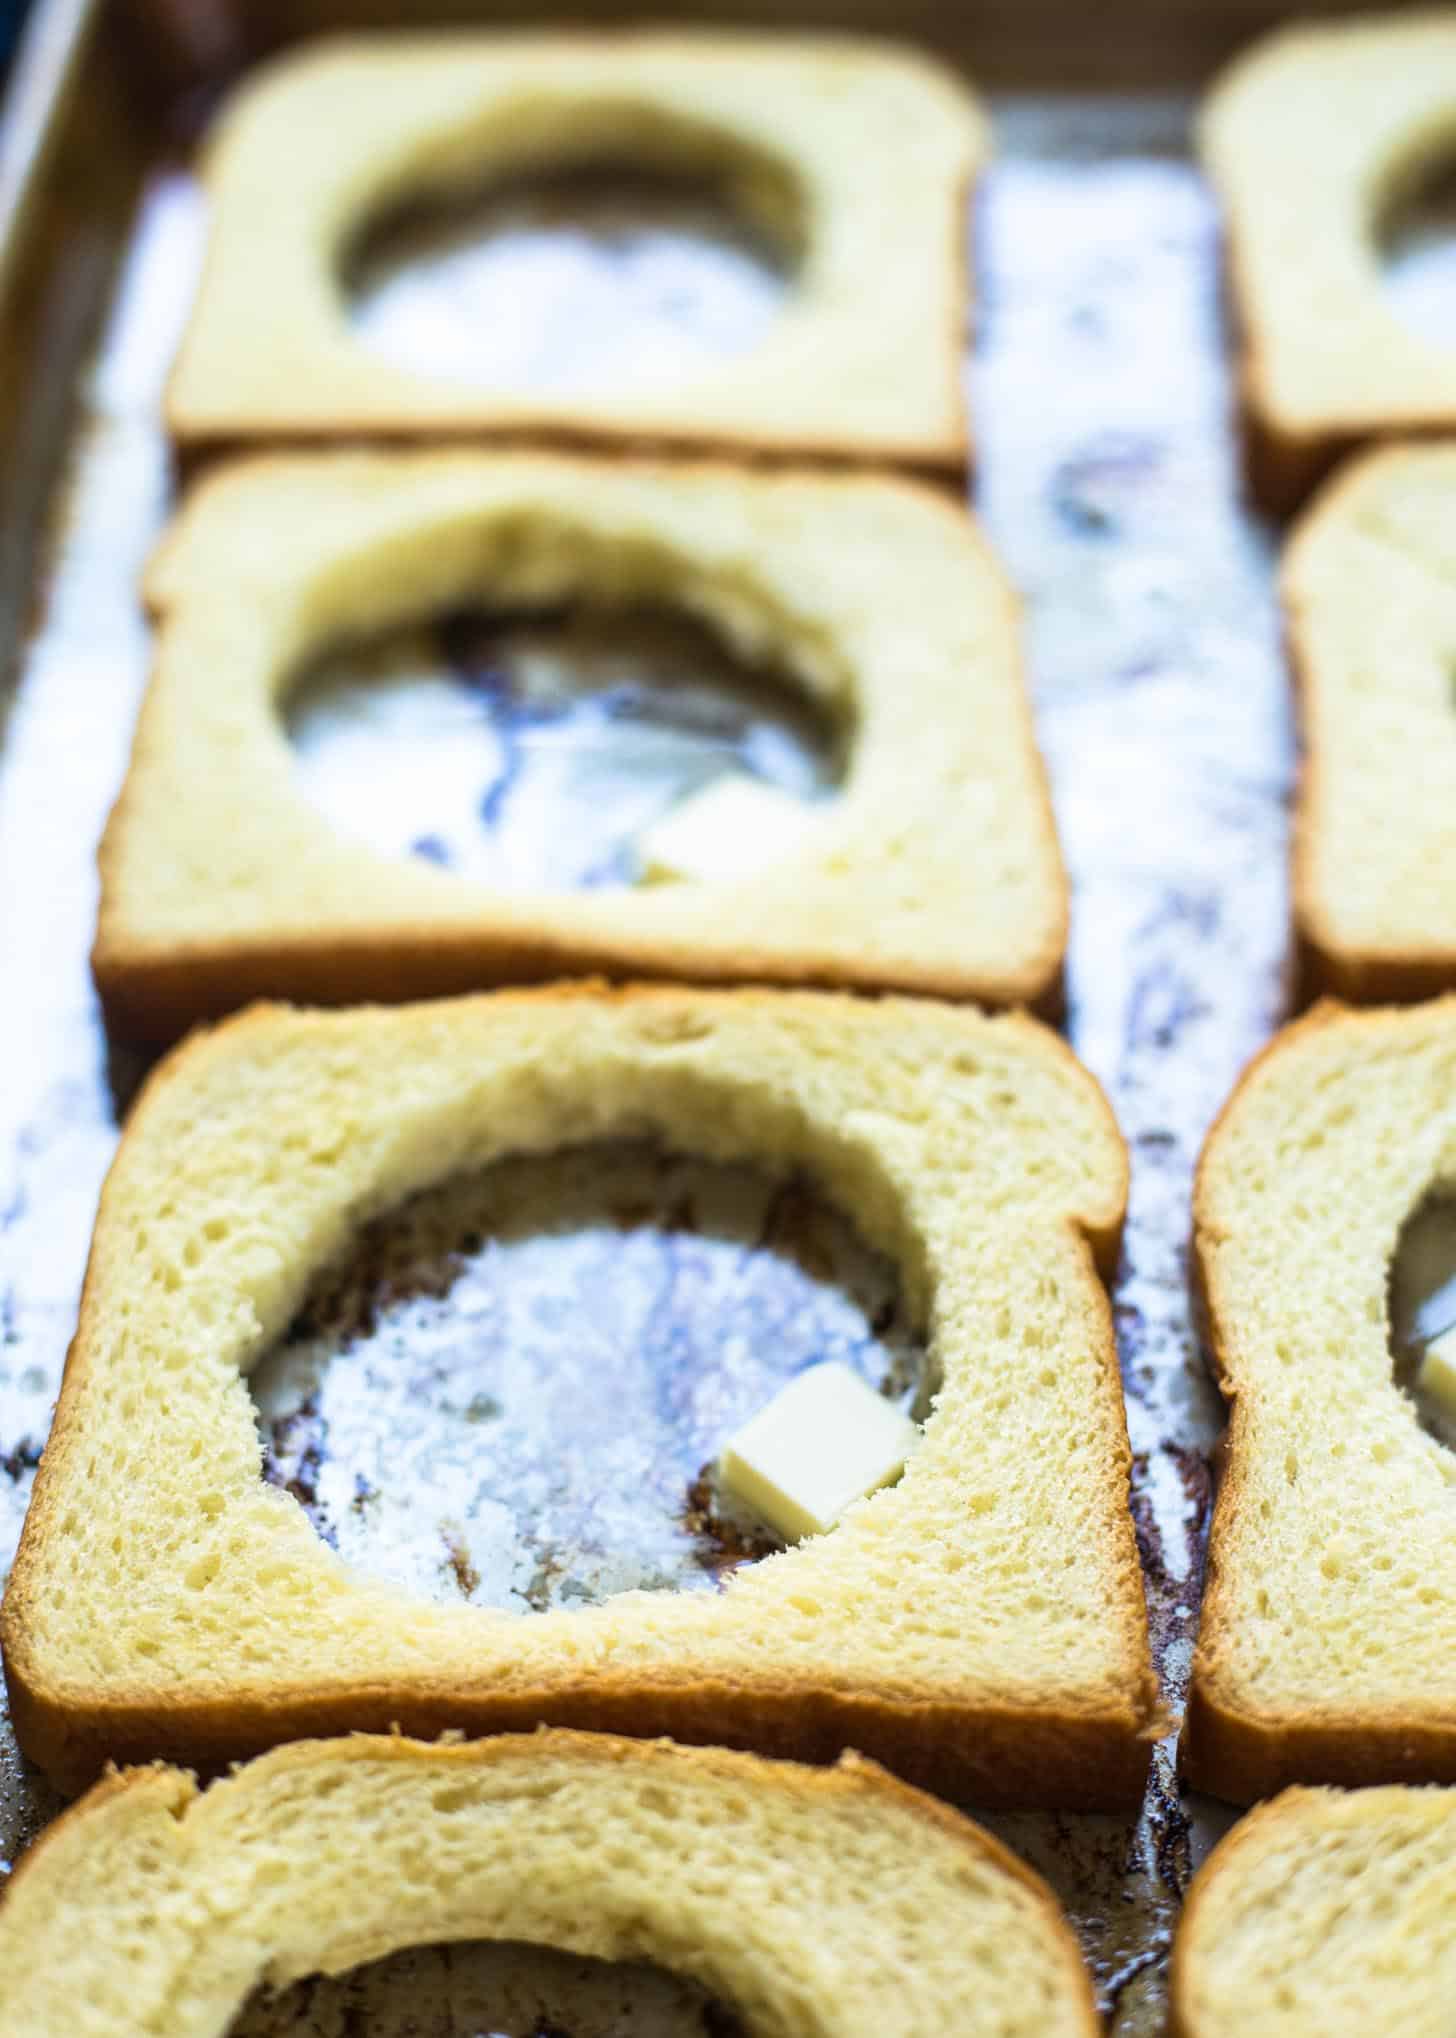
[(1325, 1911)]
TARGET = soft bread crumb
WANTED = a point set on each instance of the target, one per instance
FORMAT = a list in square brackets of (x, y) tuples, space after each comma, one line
[(1324, 1913)]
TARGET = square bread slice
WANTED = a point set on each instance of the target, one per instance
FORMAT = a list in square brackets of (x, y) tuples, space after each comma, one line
[(1324, 1912), (1312, 138), (832, 1901), (857, 155), (979, 1626), (1327, 1648), (1369, 588), (935, 869)]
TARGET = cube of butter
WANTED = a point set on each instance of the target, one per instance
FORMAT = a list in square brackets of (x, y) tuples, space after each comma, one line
[(1437, 1376), (731, 828), (826, 1440)]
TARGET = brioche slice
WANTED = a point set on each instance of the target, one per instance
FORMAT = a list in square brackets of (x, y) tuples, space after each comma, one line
[(1324, 1912), (979, 1625), (828, 1901), (855, 156), (1312, 138), (1327, 1650), (936, 869), (1369, 584)]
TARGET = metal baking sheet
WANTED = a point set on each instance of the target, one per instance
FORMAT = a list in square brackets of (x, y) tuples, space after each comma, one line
[(1107, 478)]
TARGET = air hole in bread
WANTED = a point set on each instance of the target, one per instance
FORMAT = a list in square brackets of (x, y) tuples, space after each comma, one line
[(1417, 239), (487, 1989), (513, 1389), (541, 750), (607, 278), (1422, 1304)]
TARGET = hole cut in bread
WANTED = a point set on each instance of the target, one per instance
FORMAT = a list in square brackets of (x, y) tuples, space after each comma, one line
[(1369, 589), (1323, 1911), (935, 869), (1327, 1646), (980, 1625), (1311, 138), (563, 750), (436, 1404), (834, 1901), (858, 155)]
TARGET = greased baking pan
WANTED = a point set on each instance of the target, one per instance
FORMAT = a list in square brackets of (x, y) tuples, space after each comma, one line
[(1108, 479)]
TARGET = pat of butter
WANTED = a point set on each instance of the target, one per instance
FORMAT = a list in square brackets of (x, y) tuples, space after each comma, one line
[(734, 827), (1437, 1376), (825, 1441)]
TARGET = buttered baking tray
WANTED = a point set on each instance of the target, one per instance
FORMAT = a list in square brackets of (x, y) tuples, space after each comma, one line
[(1107, 478)]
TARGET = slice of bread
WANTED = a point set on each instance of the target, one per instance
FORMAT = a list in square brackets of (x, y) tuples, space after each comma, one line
[(1311, 139), (979, 1626), (1327, 1650), (1369, 585), (858, 156), (1323, 1913), (829, 1901), (936, 869)]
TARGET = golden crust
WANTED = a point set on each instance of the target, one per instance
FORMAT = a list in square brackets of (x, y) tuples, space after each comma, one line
[(1241, 1842)]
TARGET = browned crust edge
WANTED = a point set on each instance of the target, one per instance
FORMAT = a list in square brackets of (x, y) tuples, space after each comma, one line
[(1183, 2019), (1285, 467), (852, 1775), (1280, 467), (966, 1748), (969, 1754), (945, 462), (1226, 1748), (156, 997)]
